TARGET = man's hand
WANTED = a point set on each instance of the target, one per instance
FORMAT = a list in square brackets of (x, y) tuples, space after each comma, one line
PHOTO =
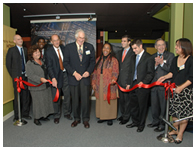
[(86, 74), (127, 87), (77, 76), (140, 84), (54, 82), (158, 60)]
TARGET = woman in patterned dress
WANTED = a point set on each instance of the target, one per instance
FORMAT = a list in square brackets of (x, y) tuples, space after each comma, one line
[(181, 72), (106, 72)]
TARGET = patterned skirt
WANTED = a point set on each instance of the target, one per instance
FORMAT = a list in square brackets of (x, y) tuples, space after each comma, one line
[(181, 105)]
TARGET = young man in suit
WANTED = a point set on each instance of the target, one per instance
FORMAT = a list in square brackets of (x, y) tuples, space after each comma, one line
[(124, 58), (16, 59), (163, 60), (142, 71), (54, 62), (80, 62)]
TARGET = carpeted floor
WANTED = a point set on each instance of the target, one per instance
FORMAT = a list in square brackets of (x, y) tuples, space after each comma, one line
[(98, 135)]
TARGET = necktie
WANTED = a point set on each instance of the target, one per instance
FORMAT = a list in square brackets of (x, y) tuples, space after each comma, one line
[(80, 52), (23, 65), (136, 63), (60, 61), (124, 54)]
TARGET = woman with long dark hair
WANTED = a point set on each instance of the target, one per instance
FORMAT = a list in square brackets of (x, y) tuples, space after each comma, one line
[(106, 72), (181, 72)]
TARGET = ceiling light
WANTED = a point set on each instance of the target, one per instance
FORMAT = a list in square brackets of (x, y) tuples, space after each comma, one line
[(58, 17)]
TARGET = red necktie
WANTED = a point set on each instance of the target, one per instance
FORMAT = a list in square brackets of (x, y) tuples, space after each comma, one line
[(124, 54), (60, 60)]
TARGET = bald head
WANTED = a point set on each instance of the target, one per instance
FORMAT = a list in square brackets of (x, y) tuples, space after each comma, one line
[(18, 40)]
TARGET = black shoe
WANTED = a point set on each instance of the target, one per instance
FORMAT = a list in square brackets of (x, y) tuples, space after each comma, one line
[(56, 120), (45, 119), (123, 122), (68, 117), (178, 141), (140, 128), (131, 125), (36, 121), (159, 129), (152, 125), (110, 122), (100, 121), (120, 118), (27, 117)]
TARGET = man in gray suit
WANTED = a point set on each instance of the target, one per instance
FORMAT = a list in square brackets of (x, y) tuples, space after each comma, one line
[(163, 60)]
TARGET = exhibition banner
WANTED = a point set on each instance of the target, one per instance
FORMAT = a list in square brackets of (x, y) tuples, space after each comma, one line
[(8, 90), (65, 28)]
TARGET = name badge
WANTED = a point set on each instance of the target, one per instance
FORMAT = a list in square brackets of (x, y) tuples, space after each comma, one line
[(164, 61), (182, 67), (88, 52)]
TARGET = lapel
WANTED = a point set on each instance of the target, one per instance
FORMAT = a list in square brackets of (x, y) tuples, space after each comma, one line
[(84, 51), (142, 58), (165, 55), (75, 52)]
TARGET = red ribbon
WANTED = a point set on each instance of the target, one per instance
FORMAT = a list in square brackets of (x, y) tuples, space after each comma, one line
[(21, 86), (166, 85)]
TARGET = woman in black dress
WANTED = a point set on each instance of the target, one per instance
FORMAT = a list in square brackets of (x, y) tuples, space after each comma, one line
[(181, 72)]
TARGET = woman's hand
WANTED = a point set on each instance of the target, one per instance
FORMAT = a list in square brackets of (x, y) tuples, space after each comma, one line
[(93, 86), (43, 80), (178, 89), (113, 81)]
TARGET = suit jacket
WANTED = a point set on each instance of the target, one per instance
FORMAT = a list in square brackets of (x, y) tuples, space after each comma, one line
[(72, 62), (124, 67), (14, 61), (161, 71), (145, 68), (52, 64)]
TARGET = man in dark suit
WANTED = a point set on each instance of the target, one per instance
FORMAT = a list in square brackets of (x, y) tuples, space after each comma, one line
[(142, 71), (41, 44), (163, 60), (16, 59), (124, 58), (80, 62), (54, 62)]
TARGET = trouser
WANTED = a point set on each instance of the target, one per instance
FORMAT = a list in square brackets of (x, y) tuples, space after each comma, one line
[(24, 99), (80, 96), (66, 102)]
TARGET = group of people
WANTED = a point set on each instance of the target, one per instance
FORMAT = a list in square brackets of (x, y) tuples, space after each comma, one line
[(73, 69)]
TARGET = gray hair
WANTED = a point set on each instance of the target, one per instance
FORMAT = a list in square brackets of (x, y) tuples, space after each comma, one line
[(77, 31), (159, 39)]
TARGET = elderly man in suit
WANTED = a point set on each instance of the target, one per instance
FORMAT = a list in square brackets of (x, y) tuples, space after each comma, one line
[(163, 60), (54, 62), (142, 71), (124, 58), (80, 62), (16, 59)]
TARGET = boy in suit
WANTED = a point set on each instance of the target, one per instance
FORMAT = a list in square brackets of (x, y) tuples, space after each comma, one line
[(142, 71)]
